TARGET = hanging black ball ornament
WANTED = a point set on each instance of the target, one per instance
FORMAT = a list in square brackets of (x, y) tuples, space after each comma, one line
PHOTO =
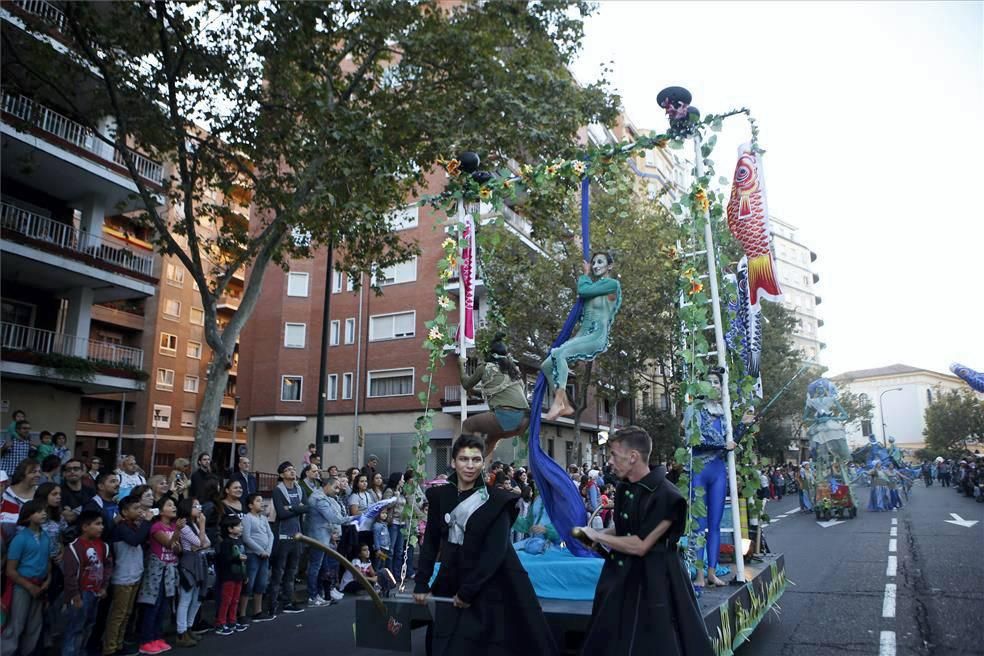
[(481, 177), (469, 161)]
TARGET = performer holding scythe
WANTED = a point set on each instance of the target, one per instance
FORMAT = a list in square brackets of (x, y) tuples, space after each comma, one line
[(644, 602), (495, 611)]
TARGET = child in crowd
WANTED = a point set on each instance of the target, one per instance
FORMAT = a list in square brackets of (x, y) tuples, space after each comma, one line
[(364, 563), (88, 566), (231, 571), (26, 578), (160, 581), (381, 540), (128, 538), (258, 538), (46, 447), (192, 570)]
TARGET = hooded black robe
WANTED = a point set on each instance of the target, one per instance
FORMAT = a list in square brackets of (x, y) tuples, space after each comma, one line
[(645, 605), (484, 571)]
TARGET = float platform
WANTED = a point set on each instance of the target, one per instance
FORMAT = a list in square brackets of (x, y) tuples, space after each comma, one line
[(731, 613)]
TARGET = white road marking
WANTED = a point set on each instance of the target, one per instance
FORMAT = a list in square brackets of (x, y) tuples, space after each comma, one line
[(892, 545), (888, 604), (886, 645), (960, 521), (895, 521), (894, 532), (893, 564)]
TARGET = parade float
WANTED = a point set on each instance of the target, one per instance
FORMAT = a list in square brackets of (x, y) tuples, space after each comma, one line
[(719, 387)]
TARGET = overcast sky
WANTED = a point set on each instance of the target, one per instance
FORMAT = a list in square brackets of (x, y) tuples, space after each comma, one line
[(872, 115)]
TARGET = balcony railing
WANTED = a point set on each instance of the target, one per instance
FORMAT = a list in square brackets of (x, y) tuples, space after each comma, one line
[(42, 9), (452, 394), (50, 121), (62, 235), (16, 337), (613, 421)]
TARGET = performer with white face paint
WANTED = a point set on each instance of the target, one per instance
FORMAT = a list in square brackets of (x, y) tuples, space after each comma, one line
[(602, 296)]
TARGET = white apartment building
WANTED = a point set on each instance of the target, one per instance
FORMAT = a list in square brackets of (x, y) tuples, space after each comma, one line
[(798, 280)]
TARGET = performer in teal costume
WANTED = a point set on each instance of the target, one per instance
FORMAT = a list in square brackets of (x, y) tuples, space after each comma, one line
[(602, 297)]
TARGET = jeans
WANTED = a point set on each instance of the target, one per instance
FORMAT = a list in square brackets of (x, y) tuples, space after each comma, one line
[(153, 617), (124, 598), (188, 605), (319, 564), (80, 623), (399, 541), (286, 557), (257, 574)]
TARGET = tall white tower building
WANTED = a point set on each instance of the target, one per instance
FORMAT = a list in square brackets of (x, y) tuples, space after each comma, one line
[(794, 263)]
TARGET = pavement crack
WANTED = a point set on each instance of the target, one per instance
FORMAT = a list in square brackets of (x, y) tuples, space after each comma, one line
[(912, 574)]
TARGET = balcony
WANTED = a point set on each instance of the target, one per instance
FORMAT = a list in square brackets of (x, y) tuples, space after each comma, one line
[(117, 317), (114, 367), (229, 301), (46, 11), (48, 254), (612, 420), (451, 401), (46, 120)]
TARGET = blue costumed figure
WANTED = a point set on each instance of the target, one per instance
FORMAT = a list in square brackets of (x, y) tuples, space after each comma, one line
[(880, 499), (825, 417), (602, 296), (713, 474)]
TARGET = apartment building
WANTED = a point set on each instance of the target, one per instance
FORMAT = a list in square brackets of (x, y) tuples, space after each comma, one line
[(66, 264), (83, 281), (794, 264)]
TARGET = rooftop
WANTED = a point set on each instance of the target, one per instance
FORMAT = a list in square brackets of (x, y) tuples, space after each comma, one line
[(890, 370)]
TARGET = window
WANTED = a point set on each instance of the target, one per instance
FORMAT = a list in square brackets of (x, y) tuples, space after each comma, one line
[(197, 316), (335, 327), (191, 384), (194, 350), (169, 344), (651, 158), (290, 388), (403, 272), (866, 427), (165, 379), (188, 418), (297, 284), (294, 335), (350, 330), (336, 282), (404, 218), (162, 416), (334, 439), (347, 386), (392, 326), (349, 283), (394, 382), (175, 275), (172, 308), (332, 387)]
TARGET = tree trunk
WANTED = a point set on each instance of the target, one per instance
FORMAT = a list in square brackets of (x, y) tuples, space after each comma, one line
[(211, 407), (582, 401)]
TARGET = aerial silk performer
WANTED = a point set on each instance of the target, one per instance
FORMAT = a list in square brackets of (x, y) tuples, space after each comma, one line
[(560, 495)]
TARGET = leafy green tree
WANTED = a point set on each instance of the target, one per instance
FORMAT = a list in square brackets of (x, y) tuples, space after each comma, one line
[(665, 429), (858, 408), (951, 420), (329, 114)]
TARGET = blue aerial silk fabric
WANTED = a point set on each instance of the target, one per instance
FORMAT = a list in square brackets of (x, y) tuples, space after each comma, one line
[(558, 574), (560, 495)]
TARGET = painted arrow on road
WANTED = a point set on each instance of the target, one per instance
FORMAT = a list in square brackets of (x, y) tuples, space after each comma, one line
[(960, 521), (832, 522)]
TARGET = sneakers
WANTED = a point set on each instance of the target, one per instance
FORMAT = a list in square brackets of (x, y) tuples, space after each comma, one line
[(291, 608), (317, 602), (336, 595), (151, 648), (265, 616), (239, 628), (224, 630), (163, 646)]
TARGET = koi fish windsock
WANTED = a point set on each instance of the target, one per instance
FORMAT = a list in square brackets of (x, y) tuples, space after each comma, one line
[(973, 378), (748, 221)]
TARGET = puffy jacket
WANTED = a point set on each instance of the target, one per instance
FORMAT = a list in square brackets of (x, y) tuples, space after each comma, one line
[(325, 517)]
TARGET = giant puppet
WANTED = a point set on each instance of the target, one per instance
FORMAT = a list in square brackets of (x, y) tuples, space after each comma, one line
[(825, 417)]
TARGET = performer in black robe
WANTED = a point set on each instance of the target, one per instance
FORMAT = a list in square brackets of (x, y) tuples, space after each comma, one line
[(495, 611), (644, 603)]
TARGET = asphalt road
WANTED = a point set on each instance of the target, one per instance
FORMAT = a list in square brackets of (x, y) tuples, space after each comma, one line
[(836, 606), (842, 575)]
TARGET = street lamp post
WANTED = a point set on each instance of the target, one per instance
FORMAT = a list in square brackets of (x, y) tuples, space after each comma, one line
[(153, 448), (881, 411), (235, 427)]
